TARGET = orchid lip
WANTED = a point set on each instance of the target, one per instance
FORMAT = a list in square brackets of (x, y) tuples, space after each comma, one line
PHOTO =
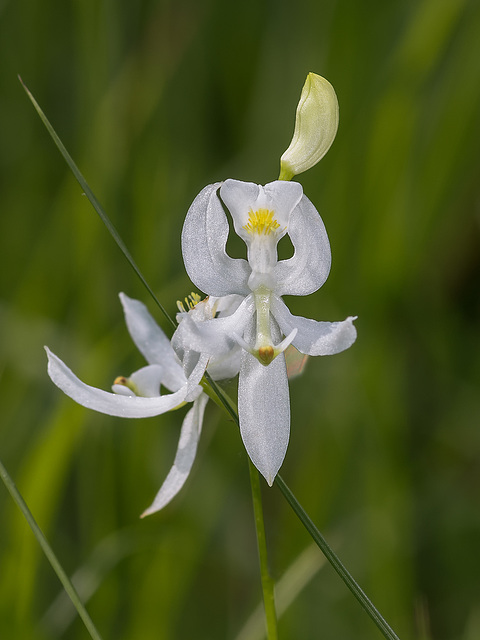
[(268, 352)]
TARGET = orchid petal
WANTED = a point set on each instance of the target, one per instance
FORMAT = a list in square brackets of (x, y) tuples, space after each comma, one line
[(184, 458), (308, 268), (195, 377), (204, 237), (264, 412), (145, 382), (110, 403), (152, 342), (213, 337), (242, 197), (226, 366), (315, 338)]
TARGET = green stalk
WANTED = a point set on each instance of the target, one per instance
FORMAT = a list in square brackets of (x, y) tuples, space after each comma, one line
[(267, 582), (47, 549), (94, 202), (335, 561)]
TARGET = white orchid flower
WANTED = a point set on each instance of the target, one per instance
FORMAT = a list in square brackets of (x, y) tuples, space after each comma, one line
[(139, 395), (261, 216)]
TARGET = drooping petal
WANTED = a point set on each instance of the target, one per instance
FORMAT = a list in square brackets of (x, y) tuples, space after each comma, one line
[(314, 338), (152, 342), (264, 412), (184, 459), (308, 268), (213, 337), (243, 197), (111, 403), (204, 237)]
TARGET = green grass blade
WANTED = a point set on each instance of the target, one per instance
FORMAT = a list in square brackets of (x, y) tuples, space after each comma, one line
[(48, 551), (94, 202), (335, 561)]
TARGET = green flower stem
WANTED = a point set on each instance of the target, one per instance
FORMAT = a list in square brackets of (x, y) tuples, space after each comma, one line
[(94, 202), (52, 558), (335, 561), (267, 582)]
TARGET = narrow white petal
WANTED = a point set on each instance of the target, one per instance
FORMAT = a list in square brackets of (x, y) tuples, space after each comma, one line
[(109, 403), (195, 377), (152, 342), (187, 449), (315, 338), (308, 268), (204, 237), (264, 412)]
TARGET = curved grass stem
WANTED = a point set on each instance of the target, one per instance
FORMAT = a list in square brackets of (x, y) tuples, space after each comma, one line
[(48, 551)]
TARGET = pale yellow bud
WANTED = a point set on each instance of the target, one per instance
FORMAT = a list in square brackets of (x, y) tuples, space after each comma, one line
[(316, 124)]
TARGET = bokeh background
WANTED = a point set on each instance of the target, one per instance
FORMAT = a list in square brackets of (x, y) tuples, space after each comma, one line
[(155, 99)]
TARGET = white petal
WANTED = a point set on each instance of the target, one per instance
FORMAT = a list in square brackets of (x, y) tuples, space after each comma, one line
[(204, 237), (148, 380), (152, 342), (240, 197), (110, 403), (195, 377), (308, 268), (227, 366), (213, 337), (187, 449), (315, 338), (264, 412)]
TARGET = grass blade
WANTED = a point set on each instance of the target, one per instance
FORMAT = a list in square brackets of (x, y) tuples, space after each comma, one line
[(48, 551), (94, 202)]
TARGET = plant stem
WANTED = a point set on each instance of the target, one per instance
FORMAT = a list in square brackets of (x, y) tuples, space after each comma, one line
[(47, 549), (336, 563), (267, 582)]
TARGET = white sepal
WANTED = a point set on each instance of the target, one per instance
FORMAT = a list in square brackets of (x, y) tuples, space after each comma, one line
[(204, 237), (264, 412), (110, 403), (184, 458), (315, 338), (308, 268), (152, 342)]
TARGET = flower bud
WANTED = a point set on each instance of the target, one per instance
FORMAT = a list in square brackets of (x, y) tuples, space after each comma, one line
[(316, 125)]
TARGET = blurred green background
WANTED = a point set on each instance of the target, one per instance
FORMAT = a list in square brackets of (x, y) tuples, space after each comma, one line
[(155, 99)]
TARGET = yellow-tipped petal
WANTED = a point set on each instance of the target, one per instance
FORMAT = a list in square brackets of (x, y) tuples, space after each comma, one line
[(316, 125)]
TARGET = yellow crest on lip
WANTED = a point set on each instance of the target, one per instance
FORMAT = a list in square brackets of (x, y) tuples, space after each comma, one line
[(261, 221)]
